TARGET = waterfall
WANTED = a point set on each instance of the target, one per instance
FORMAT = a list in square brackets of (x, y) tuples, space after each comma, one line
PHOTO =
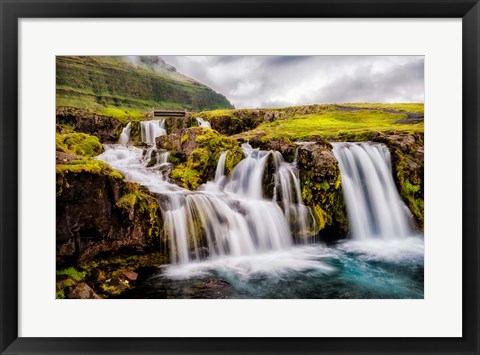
[(374, 206), (247, 177), (151, 130), (220, 172), (125, 135), (202, 123), (214, 220), (288, 193)]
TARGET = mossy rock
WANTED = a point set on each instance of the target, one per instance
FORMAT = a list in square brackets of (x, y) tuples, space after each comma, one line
[(196, 152), (321, 186), (78, 143), (99, 212)]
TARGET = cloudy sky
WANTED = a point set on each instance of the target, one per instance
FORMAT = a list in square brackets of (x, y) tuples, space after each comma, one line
[(277, 81)]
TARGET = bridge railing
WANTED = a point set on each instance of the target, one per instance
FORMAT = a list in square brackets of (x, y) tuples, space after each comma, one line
[(168, 113)]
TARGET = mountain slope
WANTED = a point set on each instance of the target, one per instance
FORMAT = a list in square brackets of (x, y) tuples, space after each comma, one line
[(130, 83)]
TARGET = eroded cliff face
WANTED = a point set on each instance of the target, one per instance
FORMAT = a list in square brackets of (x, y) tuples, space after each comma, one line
[(106, 129), (407, 152), (98, 213)]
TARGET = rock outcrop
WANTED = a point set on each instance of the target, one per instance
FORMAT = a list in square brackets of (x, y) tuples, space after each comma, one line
[(407, 152), (237, 121), (106, 129), (98, 212), (321, 186), (195, 152), (82, 291)]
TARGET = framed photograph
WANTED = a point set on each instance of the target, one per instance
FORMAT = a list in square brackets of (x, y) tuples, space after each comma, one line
[(227, 177)]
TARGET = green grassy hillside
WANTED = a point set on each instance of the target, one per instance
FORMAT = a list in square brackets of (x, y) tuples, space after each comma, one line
[(330, 121), (116, 85)]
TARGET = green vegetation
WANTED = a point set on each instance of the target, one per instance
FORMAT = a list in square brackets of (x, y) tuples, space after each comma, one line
[(145, 206), (124, 115), (400, 107), (333, 124), (88, 165), (72, 273), (410, 186), (67, 278), (115, 87), (336, 121), (79, 144), (321, 190), (107, 275), (202, 161), (67, 171)]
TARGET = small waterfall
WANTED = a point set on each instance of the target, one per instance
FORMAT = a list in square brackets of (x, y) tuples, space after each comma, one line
[(202, 123), (247, 177), (125, 135), (151, 130), (214, 221), (148, 167), (374, 206), (220, 172), (288, 193)]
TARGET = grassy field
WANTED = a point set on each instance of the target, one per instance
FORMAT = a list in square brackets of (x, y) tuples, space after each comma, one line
[(401, 107), (334, 122)]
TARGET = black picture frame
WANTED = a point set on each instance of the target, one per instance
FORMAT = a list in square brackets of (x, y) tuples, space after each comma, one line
[(12, 11)]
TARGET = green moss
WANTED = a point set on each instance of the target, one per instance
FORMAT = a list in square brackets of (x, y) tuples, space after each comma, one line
[(149, 208), (174, 157), (320, 216), (127, 201), (66, 278), (65, 128), (86, 165), (201, 163), (199, 158), (69, 283), (234, 156), (79, 144), (410, 186), (146, 206), (102, 272), (321, 191), (72, 273), (187, 177)]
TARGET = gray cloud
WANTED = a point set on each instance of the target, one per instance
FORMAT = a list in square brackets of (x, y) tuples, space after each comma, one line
[(276, 81)]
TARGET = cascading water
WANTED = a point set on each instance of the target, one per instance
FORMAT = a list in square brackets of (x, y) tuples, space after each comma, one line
[(202, 123), (245, 241), (152, 129), (288, 193), (214, 221), (125, 135), (220, 172), (247, 177), (375, 209)]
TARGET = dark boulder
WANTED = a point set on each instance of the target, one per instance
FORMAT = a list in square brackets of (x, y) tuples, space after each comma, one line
[(82, 291)]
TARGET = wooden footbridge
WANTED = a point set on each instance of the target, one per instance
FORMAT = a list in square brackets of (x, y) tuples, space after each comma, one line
[(167, 114)]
